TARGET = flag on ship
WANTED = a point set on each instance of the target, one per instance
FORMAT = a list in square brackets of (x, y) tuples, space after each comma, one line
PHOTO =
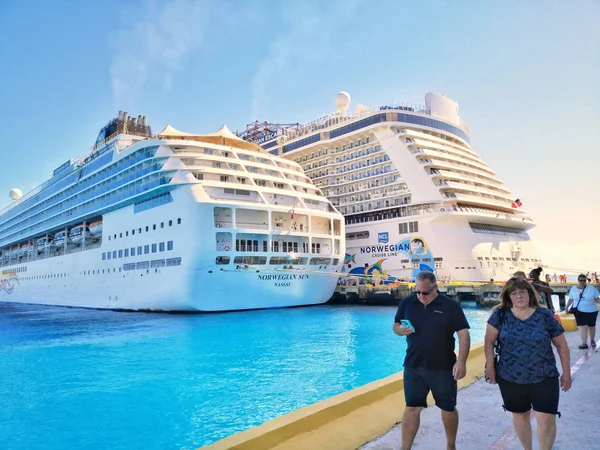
[(516, 203)]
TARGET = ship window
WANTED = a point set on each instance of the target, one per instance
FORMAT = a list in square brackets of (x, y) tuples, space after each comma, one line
[(115, 236), (170, 223), (126, 252), (153, 227), (146, 249), (109, 238), (162, 224), (169, 245), (108, 255), (103, 256), (139, 250), (161, 247), (157, 263), (178, 221), (114, 254), (127, 233), (153, 248), (120, 235), (173, 262), (140, 230), (275, 246), (120, 253)]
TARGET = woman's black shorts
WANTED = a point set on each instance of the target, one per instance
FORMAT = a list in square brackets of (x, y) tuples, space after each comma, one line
[(519, 398), (586, 319)]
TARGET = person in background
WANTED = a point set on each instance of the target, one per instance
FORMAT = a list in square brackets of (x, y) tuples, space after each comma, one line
[(430, 363), (526, 371), (584, 299), (543, 289)]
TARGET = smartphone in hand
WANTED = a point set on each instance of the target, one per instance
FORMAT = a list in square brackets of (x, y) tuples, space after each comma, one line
[(406, 323)]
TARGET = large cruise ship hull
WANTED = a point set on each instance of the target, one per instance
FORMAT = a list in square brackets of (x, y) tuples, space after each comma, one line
[(176, 270), (445, 244)]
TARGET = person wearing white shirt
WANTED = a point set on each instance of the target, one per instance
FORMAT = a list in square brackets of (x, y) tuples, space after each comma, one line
[(584, 299)]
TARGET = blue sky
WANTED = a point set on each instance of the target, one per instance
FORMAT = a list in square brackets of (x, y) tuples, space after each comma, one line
[(526, 75)]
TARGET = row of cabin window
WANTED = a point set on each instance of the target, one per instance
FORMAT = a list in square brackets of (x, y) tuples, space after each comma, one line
[(243, 245), (15, 270), (148, 248), (139, 230), (43, 277), (276, 260)]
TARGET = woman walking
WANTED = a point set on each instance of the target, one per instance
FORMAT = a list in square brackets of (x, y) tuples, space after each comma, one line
[(584, 299), (526, 372)]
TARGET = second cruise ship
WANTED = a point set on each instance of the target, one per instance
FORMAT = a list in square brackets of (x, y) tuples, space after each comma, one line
[(414, 194)]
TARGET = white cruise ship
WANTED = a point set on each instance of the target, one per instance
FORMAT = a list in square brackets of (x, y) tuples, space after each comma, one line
[(172, 222), (414, 194)]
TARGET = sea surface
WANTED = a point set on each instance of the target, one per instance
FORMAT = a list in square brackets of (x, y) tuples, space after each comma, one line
[(90, 379)]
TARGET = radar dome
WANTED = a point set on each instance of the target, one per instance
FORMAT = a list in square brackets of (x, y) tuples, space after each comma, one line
[(342, 101), (15, 194)]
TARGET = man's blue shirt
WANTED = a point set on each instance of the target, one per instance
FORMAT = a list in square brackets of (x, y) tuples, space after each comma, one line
[(432, 344), (526, 354)]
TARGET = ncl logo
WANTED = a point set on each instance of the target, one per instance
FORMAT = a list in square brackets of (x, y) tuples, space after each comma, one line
[(383, 238)]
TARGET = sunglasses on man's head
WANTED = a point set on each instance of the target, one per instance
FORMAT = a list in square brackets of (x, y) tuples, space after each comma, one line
[(424, 292)]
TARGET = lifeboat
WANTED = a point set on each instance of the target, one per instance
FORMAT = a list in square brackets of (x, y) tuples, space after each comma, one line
[(79, 234), (43, 243), (60, 238), (25, 249), (96, 228), (11, 251)]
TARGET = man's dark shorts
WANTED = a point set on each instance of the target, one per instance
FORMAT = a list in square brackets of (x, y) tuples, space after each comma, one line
[(418, 382), (519, 398)]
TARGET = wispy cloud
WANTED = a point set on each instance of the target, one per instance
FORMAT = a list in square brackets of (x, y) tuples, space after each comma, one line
[(310, 30), (153, 44)]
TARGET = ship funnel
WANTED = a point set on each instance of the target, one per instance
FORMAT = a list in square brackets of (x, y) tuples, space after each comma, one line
[(125, 116), (120, 115)]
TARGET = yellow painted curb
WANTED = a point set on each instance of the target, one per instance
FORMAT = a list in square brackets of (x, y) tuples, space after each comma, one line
[(346, 421)]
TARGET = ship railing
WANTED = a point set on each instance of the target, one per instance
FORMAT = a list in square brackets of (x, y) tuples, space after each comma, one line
[(252, 225), (336, 118)]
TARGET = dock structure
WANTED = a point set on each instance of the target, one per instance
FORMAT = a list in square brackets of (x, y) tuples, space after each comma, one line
[(484, 294)]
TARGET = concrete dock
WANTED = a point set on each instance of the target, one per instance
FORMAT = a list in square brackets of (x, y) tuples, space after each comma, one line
[(485, 425)]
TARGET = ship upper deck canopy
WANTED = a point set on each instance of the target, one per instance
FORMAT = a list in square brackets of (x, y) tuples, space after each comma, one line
[(220, 137)]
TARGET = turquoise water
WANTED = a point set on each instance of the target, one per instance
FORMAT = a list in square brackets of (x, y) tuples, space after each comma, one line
[(74, 378)]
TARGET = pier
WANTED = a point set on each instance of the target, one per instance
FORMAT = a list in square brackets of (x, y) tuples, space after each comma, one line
[(484, 294)]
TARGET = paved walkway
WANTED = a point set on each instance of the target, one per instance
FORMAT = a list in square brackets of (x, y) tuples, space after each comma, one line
[(485, 425)]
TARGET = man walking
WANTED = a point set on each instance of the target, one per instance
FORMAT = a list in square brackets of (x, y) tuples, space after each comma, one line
[(430, 363)]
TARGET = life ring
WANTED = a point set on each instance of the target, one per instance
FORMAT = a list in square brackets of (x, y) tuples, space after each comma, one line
[(442, 210), (226, 248)]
